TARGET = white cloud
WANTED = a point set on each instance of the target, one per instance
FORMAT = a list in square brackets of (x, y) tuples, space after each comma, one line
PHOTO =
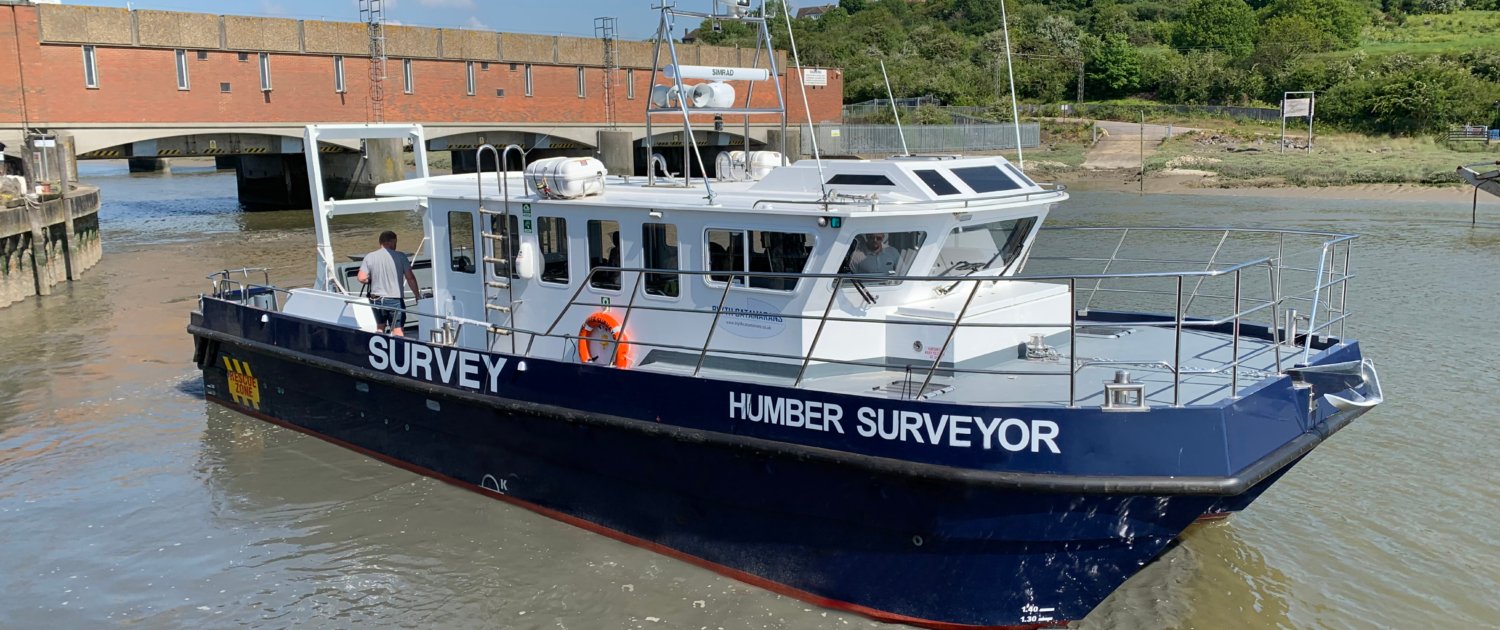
[(473, 22), (270, 7)]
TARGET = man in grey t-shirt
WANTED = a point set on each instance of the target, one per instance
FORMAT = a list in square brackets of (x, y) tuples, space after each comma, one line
[(872, 256), (383, 270)]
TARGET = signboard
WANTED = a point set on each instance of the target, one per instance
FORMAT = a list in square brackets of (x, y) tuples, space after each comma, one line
[(46, 143), (1296, 107), (815, 77), (1299, 107)]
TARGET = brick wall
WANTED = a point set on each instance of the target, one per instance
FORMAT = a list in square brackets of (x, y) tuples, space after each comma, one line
[(138, 84)]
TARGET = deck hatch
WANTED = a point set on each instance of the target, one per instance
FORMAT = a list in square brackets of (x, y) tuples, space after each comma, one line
[(909, 389)]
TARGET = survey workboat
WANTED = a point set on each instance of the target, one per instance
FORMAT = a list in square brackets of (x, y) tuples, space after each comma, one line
[(880, 385)]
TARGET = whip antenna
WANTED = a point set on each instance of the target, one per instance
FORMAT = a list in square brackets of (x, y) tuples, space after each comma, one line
[(897, 114), (797, 60), (1015, 114)]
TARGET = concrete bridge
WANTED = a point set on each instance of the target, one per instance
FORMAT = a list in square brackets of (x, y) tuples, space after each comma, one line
[(154, 85)]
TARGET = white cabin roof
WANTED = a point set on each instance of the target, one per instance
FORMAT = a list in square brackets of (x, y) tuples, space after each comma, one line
[(897, 185)]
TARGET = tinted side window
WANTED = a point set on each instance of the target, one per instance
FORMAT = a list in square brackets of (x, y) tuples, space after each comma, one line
[(604, 251), (552, 240), (849, 179), (937, 182), (778, 252), (884, 255), (504, 243), (726, 252), (659, 242), (985, 179), (461, 242)]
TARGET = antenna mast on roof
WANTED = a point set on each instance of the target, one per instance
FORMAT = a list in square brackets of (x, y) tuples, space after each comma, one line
[(372, 13)]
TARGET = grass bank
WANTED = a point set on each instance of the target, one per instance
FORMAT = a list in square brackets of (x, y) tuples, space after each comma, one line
[(1247, 158)]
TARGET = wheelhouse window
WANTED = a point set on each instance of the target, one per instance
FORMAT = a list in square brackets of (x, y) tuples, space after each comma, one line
[(755, 250), (973, 248), (986, 179), (937, 182), (182, 70), (504, 243), (604, 251), (90, 68), (885, 255), (659, 241), (552, 240), (1021, 177), (461, 242)]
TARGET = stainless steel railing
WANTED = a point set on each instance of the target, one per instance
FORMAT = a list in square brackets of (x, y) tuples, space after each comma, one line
[(1290, 278)]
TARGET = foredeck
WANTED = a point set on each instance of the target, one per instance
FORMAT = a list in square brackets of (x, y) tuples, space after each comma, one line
[(1206, 377)]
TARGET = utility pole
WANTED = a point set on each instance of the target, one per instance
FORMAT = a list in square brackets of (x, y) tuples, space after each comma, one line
[(372, 13)]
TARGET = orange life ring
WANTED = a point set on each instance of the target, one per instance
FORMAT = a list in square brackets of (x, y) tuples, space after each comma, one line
[(602, 321)]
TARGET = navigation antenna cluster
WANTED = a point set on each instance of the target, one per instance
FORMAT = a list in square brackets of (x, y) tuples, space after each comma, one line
[(372, 13), (714, 98), (605, 28)]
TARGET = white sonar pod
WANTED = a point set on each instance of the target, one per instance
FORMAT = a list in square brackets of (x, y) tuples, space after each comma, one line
[(713, 95), (664, 95), (717, 73)]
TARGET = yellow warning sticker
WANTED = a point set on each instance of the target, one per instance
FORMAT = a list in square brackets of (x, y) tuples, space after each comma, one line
[(243, 386)]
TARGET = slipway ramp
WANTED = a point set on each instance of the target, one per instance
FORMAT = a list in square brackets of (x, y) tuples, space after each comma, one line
[(1484, 176)]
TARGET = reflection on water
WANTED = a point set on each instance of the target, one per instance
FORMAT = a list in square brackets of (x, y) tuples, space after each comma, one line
[(124, 498)]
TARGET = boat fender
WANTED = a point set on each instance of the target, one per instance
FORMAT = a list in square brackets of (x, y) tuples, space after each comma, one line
[(610, 326)]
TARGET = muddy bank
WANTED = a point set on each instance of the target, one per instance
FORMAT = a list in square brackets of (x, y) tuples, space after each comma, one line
[(1203, 183)]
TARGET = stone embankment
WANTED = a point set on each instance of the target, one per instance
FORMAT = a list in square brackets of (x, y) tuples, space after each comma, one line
[(44, 243)]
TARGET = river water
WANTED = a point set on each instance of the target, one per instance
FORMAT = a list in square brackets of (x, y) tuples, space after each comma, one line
[(126, 499)]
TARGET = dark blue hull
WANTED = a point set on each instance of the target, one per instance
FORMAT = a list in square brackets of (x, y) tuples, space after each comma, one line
[(896, 540)]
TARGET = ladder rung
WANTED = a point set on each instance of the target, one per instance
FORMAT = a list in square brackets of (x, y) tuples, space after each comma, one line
[(495, 284), (497, 308)]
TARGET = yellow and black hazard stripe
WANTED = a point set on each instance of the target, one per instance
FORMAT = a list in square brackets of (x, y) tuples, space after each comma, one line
[(244, 388), (330, 148), (168, 152), (255, 150), (103, 153)]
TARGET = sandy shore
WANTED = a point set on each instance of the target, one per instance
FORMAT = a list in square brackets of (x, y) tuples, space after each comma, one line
[(1193, 183)]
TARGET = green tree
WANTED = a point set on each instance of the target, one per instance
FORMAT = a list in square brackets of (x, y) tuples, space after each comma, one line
[(1342, 19), (1228, 26), (852, 6), (1115, 65)]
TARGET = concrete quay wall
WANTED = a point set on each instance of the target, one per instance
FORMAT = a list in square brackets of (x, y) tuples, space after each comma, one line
[(47, 243)]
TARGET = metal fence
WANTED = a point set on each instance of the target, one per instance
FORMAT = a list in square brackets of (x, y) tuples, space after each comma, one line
[(882, 110), (886, 139)]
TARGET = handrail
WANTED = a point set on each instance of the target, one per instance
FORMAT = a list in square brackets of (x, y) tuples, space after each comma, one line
[(1328, 296)]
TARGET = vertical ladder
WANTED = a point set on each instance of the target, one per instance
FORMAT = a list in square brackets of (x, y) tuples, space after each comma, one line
[(499, 291), (605, 29), (372, 13)]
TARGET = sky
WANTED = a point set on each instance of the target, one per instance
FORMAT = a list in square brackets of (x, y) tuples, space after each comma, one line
[(553, 17)]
